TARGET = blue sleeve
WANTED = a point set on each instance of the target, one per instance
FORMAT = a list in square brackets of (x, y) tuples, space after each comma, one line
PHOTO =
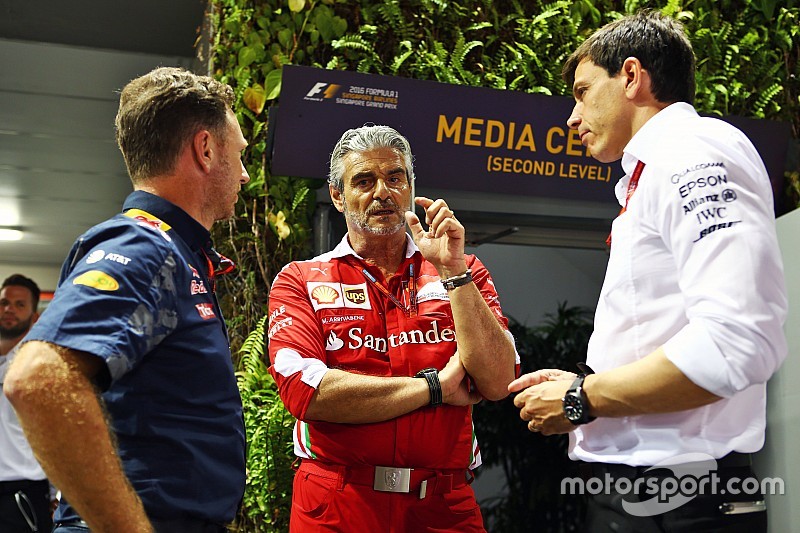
[(116, 298)]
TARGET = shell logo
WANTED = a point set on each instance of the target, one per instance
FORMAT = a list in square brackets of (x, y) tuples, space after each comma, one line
[(324, 294)]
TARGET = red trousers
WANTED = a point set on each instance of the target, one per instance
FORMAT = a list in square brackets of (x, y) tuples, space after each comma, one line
[(325, 501)]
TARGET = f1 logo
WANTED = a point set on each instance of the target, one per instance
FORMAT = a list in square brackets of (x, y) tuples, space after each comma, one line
[(320, 87)]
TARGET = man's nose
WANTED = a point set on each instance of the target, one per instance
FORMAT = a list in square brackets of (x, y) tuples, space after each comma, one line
[(245, 174), (574, 119), (381, 190)]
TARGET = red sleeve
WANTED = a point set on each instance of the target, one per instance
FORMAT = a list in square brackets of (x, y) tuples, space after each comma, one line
[(296, 347), (483, 280)]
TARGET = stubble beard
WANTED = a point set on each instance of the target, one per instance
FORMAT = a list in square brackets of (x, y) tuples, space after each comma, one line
[(361, 220), (13, 332)]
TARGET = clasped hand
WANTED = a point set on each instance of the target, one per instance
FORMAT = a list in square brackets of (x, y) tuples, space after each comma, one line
[(540, 402), (455, 384)]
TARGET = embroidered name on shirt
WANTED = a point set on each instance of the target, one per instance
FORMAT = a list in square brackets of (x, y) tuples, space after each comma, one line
[(341, 318)]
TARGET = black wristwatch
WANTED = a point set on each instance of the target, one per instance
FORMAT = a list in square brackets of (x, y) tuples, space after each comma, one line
[(576, 407), (431, 375)]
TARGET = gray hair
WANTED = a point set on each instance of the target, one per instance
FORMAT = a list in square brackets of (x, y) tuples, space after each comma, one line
[(365, 138)]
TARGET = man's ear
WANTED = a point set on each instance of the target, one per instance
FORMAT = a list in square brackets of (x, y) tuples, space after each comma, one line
[(336, 197), (203, 149), (636, 78)]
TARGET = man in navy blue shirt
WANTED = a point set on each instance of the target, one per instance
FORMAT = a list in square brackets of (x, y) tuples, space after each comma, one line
[(125, 386)]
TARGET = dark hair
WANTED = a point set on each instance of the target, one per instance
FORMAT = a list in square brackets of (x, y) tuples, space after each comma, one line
[(18, 280), (161, 111), (366, 138), (656, 40)]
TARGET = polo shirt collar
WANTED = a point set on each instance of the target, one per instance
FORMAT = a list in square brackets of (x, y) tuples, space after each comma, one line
[(190, 230), (344, 249)]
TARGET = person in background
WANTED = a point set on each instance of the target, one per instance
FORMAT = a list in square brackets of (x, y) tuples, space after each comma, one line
[(689, 326), (125, 386), (379, 349), (25, 495)]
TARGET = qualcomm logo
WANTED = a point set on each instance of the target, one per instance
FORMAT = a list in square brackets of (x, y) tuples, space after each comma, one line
[(333, 343), (328, 90)]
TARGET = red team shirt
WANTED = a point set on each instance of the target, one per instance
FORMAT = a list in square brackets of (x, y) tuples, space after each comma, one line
[(326, 313)]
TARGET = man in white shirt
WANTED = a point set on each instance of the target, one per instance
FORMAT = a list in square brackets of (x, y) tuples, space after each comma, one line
[(689, 323), (24, 489)]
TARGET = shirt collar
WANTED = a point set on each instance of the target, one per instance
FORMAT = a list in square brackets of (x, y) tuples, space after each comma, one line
[(642, 144), (344, 249), (651, 134), (190, 230)]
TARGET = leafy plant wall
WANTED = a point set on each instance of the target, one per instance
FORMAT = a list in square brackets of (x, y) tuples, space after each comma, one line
[(747, 52)]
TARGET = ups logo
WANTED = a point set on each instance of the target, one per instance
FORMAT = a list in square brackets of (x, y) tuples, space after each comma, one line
[(357, 296)]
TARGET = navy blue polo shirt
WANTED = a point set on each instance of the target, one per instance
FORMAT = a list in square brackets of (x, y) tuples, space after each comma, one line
[(136, 292)]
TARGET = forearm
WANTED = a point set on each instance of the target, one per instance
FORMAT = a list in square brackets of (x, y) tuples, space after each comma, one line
[(648, 386), (486, 351), (348, 398), (63, 420)]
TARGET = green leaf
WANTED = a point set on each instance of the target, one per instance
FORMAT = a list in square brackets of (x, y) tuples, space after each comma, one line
[(297, 6), (255, 98), (285, 37), (273, 83), (247, 56)]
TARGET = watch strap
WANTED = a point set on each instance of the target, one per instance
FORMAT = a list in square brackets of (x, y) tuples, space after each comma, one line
[(431, 376), (576, 390), (457, 281)]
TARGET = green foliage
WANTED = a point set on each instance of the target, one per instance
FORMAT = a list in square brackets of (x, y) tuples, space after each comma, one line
[(534, 465), (747, 53), (267, 496)]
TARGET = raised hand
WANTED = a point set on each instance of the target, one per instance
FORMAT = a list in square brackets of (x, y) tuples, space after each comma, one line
[(443, 243)]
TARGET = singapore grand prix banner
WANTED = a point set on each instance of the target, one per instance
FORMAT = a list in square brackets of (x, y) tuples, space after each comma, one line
[(464, 138)]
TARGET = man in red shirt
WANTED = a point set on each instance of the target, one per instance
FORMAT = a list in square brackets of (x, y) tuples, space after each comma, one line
[(380, 348)]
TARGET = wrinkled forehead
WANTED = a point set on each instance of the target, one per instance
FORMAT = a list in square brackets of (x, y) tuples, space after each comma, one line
[(383, 161)]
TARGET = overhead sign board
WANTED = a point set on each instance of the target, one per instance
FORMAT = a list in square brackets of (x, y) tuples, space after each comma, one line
[(465, 138)]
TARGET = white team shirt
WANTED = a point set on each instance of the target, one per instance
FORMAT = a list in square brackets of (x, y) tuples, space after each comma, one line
[(694, 267), (16, 458)]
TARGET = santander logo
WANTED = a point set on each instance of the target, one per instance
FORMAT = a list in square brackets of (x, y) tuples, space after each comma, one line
[(357, 339)]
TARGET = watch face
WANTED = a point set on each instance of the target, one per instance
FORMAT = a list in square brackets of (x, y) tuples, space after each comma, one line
[(573, 408)]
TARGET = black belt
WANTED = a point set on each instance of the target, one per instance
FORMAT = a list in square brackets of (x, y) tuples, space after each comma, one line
[(179, 525), (732, 460), (10, 487)]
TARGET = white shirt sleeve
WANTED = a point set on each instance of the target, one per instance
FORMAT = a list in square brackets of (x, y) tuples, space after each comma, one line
[(729, 270)]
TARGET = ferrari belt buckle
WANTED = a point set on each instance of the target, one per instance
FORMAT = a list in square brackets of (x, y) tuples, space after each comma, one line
[(390, 479)]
